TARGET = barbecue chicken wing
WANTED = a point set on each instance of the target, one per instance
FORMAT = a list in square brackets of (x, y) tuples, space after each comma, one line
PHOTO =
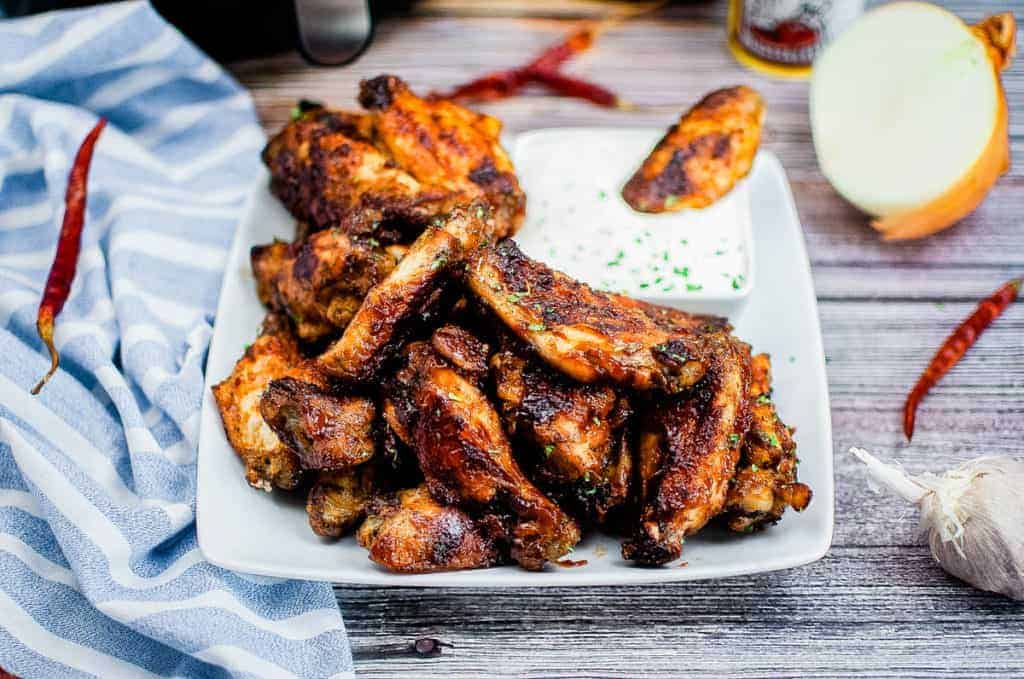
[(337, 501), (688, 450), (467, 460), (700, 159), (389, 172), (274, 354), (325, 430), (375, 332), (575, 431), (410, 532), (586, 334), (319, 282), (765, 483)]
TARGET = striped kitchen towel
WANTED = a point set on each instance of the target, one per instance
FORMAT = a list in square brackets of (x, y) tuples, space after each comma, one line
[(100, 573)]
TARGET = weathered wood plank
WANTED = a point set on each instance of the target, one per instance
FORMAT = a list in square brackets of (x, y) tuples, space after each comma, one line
[(875, 611)]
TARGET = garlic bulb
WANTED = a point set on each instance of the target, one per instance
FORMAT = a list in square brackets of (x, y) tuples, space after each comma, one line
[(972, 517)]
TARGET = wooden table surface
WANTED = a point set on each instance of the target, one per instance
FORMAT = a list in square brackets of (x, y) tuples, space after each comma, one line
[(876, 604)]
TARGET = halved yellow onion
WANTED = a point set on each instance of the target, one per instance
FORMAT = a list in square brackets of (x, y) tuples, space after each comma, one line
[(909, 115)]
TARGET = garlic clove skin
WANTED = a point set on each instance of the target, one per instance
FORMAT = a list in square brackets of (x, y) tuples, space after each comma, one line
[(990, 551), (972, 517)]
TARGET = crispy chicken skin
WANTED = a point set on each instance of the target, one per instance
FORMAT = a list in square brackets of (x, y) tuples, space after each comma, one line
[(392, 170), (326, 431), (319, 282), (274, 354), (410, 532), (765, 482), (687, 456), (586, 334), (573, 429), (337, 500), (702, 157), (376, 331), (674, 320), (467, 460)]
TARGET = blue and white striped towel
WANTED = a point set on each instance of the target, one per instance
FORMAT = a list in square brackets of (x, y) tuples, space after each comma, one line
[(100, 573)]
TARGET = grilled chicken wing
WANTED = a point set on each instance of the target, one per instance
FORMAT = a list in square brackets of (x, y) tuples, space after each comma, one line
[(274, 354), (375, 332), (410, 532), (575, 430), (765, 483), (319, 282), (688, 450), (389, 172), (445, 145), (700, 159), (466, 457), (326, 431), (588, 335), (338, 500)]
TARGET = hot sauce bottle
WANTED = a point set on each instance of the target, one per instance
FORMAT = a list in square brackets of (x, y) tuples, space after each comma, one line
[(782, 37)]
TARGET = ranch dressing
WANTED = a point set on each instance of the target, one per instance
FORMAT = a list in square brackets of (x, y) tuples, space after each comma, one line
[(578, 223)]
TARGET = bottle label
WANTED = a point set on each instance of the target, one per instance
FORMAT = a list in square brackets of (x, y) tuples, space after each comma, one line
[(792, 31)]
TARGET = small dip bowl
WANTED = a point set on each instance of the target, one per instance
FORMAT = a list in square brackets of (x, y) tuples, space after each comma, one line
[(578, 223)]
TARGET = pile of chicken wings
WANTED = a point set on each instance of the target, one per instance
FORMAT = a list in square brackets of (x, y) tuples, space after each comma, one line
[(459, 405)]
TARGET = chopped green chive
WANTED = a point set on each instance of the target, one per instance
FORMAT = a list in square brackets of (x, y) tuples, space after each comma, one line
[(548, 449), (693, 287), (537, 327)]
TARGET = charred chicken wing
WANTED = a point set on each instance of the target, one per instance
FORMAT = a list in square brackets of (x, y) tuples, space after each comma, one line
[(337, 501), (410, 532), (375, 333), (319, 282), (326, 431), (588, 335), (575, 430), (765, 483), (274, 354), (390, 171), (687, 454), (467, 460), (447, 146), (703, 156)]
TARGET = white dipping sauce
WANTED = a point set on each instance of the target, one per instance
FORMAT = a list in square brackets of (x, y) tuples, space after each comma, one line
[(577, 221)]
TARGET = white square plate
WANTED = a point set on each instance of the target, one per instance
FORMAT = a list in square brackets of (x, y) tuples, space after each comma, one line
[(268, 534)]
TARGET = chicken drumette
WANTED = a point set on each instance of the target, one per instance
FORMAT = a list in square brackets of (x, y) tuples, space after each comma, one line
[(467, 459), (410, 532)]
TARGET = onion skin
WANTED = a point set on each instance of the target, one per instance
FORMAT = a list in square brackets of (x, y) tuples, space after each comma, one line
[(998, 33)]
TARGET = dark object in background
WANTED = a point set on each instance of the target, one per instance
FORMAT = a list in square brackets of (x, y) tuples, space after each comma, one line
[(327, 32)]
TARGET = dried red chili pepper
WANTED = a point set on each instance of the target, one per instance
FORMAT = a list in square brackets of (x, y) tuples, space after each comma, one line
[(544, 70), (554, 57), (65, 261), (568, 86), (956, 345)]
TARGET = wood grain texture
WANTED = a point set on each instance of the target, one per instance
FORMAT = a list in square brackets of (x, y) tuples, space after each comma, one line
[(877, 605)]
